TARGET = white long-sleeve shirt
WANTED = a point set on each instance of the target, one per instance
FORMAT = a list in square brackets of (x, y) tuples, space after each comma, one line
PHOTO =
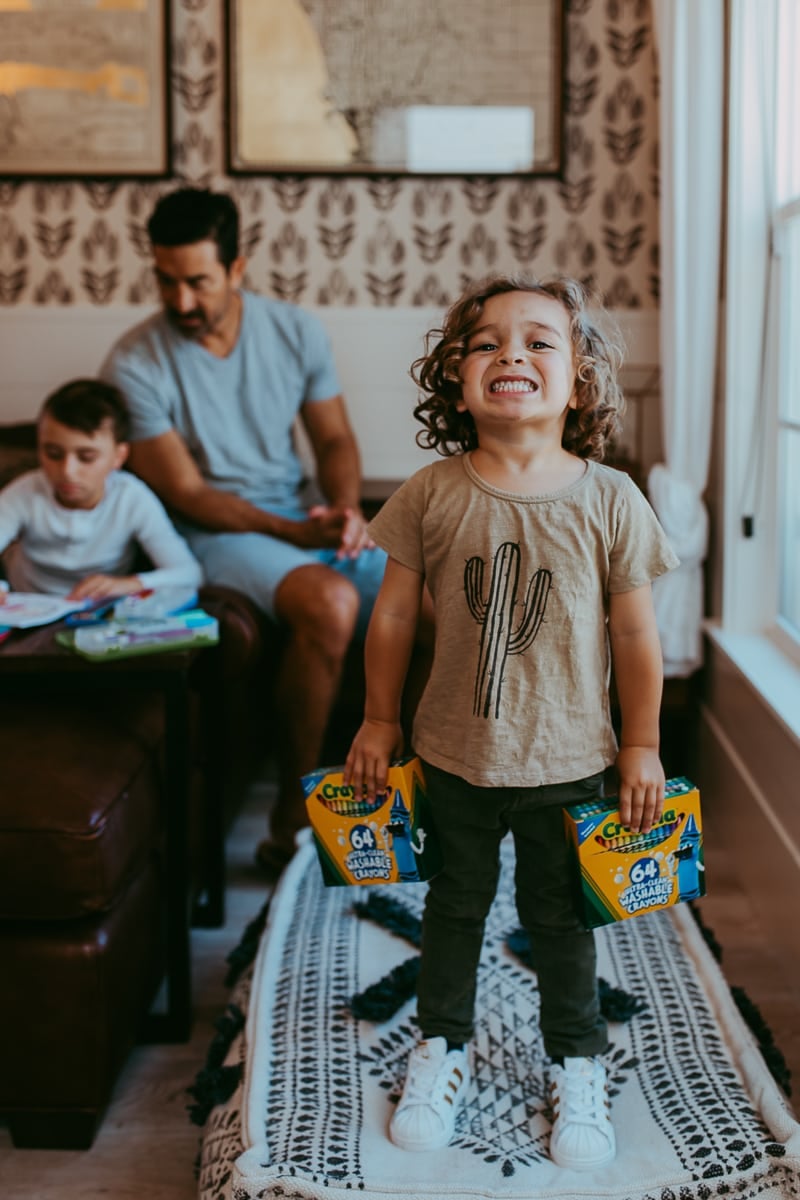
[(57, 547)]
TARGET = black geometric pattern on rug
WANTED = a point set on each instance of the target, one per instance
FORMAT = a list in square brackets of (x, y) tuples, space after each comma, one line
[(702, 1115), (509, 1124), (321, 1138), (384, 998), (698, 1106), (310, 1102)]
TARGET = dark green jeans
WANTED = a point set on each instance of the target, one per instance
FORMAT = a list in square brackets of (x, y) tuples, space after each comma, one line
[(470, 824)]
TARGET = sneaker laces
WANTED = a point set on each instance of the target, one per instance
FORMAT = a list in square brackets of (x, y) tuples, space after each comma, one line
[(578, 1094), (429, 1078)]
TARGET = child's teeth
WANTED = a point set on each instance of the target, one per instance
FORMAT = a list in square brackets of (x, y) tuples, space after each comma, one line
[(521, 385)]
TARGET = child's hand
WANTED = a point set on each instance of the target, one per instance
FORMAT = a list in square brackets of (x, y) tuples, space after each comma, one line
[(100, 587), (641, 787), (373, 748)]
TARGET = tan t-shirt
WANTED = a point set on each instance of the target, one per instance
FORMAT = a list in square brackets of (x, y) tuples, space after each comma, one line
[(518, 692)]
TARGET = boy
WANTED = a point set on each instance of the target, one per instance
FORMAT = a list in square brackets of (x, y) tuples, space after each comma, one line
[(539, 561), (77, 522)]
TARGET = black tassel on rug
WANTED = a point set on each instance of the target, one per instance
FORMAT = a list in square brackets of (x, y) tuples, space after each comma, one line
[(215, 1083), (772, 1055), (242, 955), (383, 999), (390, 914)]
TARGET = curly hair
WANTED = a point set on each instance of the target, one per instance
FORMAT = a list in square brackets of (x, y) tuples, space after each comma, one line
[(597, 355)]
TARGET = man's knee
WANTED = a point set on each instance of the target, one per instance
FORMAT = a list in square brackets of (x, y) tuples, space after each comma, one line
[(317, 603)]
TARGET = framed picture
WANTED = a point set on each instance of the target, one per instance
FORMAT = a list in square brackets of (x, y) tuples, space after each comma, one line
[(84, 89), (456, 87)]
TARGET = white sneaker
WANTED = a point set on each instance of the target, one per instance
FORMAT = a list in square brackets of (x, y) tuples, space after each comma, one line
[(436, 1080), (582, 1135)]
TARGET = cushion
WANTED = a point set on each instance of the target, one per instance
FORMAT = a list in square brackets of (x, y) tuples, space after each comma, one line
[(17, 450), (79, 803)]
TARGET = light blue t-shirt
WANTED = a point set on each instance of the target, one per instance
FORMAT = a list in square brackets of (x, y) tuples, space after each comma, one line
[(236, 414)]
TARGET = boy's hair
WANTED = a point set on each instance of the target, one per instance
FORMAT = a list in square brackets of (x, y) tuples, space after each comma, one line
[(85, 404), (197, 215), (597, 354)]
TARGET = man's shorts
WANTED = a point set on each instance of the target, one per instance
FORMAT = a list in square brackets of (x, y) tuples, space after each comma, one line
[(256, 564)]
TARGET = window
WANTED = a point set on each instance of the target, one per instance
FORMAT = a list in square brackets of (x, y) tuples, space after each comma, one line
[(787, 248), (786, 368), (761, 501)]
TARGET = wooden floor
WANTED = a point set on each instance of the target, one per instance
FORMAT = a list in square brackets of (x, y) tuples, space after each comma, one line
[(749, 962), (147, 1147)]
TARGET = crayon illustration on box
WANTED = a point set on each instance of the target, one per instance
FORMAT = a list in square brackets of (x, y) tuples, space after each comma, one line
[(385, 840), (622, 873)]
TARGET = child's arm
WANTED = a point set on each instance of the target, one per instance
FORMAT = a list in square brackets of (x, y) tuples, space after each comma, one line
[(174, 565), (638, 671), (387, 652), (12, 520), (103, 587), (139, 516)]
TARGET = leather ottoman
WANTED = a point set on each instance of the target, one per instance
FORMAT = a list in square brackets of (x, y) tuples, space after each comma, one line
[(81, 911)]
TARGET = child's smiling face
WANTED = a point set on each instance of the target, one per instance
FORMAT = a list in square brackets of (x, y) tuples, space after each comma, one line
[(518, 367)]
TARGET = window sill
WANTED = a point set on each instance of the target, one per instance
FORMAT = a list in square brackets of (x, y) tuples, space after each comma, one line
[(772, 675)]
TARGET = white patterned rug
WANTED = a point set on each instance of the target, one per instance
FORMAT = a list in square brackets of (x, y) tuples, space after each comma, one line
[(696, 1111)]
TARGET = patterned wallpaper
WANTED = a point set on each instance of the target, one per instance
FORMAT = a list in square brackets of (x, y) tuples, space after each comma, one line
[(377, 240)]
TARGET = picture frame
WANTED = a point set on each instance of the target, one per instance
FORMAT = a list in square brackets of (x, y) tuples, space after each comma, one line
[(343, 87), (85, 90)]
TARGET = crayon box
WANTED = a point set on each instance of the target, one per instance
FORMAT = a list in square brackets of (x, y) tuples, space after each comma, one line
[(386, 840), (620, 873)]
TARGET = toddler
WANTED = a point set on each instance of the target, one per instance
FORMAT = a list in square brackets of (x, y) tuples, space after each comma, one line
[(539, 560)]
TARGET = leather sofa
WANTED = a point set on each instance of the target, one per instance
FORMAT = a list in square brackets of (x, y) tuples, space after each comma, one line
[(83, 887)]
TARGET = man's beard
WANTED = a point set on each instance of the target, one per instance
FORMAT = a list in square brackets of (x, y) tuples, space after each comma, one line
[(194, 325)]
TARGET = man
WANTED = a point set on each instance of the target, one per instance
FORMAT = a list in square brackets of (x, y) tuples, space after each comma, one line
[(214, 383)]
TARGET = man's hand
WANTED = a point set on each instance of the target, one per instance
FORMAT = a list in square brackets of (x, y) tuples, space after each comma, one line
[(641, 787), (99, 587), (367, 765), (346, 526)]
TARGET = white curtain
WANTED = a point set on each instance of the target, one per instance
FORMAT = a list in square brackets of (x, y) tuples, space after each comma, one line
[(691, 47)]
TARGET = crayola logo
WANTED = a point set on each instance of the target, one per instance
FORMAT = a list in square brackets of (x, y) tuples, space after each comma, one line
[(342, 800), (382, 840), (621, 872), (614, 829), (632, 843), (332, 791)]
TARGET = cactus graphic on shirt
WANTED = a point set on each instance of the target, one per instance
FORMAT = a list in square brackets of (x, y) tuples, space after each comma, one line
[(496, 615)]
